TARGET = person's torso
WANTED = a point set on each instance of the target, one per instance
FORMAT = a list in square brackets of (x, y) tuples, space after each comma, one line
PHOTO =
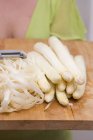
[(38, 19), (15, 16)]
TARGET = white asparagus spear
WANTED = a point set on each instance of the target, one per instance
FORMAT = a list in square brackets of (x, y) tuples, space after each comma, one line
[(62, 85), (65, 57), (49, 96), (71, 87), (48, 70), (48, 53), (42, 80), (62, 98), (38, 76), (80, 88)]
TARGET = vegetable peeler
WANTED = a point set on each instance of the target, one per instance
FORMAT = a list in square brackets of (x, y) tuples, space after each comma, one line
[(12, 53)]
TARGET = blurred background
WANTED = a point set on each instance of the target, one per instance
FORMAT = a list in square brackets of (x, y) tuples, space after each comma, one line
[(86, 11), (82, 135)]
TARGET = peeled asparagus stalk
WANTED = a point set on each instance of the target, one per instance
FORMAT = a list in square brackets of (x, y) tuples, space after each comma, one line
[(37, 75), (48, 70), (62, 98), (62, 85), (49, 96), (48, 53), (65, 57), (42, 81), (80, 88), (71, 87)]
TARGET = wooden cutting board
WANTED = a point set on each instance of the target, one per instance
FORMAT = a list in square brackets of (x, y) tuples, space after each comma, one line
[(78, 116)]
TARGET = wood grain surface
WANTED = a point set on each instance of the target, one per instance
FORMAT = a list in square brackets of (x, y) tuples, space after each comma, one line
[(79, 116)]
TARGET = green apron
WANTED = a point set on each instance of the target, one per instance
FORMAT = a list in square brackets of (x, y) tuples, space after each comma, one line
[(56, 17)]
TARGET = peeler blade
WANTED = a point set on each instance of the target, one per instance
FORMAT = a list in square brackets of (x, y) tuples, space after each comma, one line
[(12, 54)]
